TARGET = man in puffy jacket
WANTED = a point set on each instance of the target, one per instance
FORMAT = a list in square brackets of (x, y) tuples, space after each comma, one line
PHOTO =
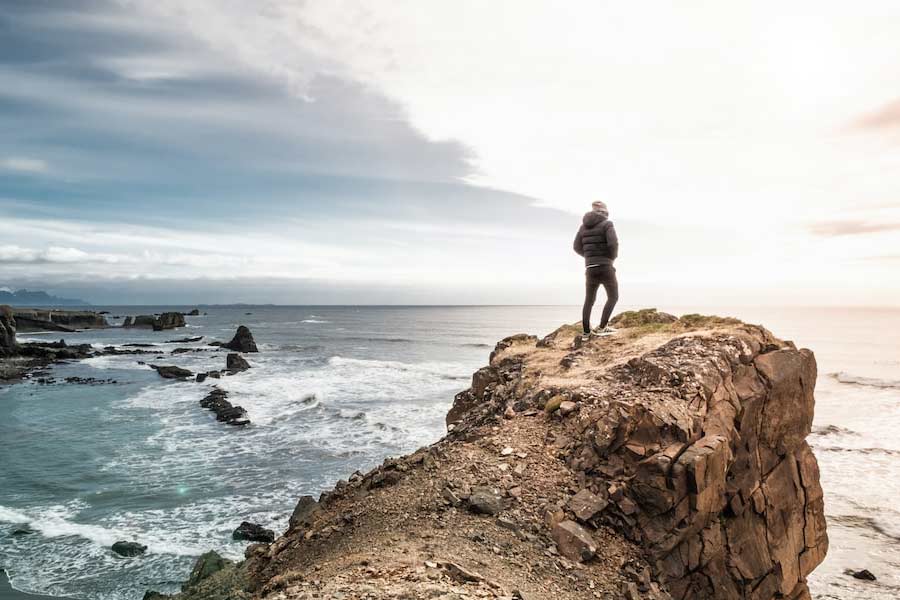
[(597, 242)]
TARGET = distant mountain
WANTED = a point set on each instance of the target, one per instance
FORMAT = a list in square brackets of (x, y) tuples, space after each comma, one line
[(37, 298)]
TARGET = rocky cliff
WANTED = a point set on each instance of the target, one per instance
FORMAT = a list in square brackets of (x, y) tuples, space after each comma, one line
[(7, 331), (668, 461)]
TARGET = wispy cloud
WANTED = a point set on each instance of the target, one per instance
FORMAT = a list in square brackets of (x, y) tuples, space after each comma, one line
[(886, 117), (24, 165), (851, 227)]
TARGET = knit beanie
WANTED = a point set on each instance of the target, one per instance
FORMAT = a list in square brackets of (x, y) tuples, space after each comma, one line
[(600, 207)]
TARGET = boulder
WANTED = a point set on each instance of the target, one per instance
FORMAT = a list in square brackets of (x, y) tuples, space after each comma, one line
[(253, 533), (207, 565), (123, 548), (194, 313), (485, 500), (586, 505), (140, 321), (8, 345), (574, 541), (171, 372), (235, 362), (242, 341)]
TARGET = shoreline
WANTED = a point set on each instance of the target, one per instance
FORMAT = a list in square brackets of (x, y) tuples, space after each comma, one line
[(8, 592)]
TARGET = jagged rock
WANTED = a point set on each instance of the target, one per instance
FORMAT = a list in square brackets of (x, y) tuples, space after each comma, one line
[(201, 377), (235, 362), (485, 500), (303, 513), (574, 541), (8, 345), (194, 313), (253, 533), (123, 548), (242, 341), (208, 564), (171, 372), (224, 410), (586, 505)]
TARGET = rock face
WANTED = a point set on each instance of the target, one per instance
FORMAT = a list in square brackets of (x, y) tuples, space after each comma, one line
[(242, 341), (700, 447), (7, 331)]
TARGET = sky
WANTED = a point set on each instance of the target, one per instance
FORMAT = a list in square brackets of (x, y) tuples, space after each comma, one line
[(417, 151)]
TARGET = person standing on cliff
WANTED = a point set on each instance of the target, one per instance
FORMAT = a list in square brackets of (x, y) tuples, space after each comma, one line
[(597, 242)]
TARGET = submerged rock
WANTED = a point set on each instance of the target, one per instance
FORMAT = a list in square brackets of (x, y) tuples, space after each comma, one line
[(123, 548), (253, 533), (171, 371)]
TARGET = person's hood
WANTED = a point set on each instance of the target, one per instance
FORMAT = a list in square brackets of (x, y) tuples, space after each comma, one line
[(593, 218)]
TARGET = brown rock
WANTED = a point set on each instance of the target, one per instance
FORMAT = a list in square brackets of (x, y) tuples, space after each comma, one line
[(574, 541)]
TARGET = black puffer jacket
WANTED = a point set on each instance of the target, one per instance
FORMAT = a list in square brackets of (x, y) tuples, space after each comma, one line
[(596, 240)]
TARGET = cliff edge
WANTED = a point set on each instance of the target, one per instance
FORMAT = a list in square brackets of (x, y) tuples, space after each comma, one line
[(667, 461)]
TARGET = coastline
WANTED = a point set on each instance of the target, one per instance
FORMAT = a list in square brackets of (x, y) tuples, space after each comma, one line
[(8, 592)]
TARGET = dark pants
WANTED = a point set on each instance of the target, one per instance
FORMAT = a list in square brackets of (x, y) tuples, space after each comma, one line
[(593, 278)]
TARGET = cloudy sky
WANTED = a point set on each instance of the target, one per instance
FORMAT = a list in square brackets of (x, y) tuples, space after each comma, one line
[(443, 152)]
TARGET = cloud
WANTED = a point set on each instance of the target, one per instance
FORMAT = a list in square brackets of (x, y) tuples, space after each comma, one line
[(851, 227), (886, 117), (24, 165), (12, 254)]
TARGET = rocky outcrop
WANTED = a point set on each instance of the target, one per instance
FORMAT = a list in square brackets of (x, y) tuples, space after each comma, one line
[(167, 320), (241, 342), (695, 449), (171, 371), (8, 345), (42, 319), (225, 412), (235, 363), (667, 461)]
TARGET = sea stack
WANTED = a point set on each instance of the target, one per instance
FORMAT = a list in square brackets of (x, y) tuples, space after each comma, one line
[(242, 341)]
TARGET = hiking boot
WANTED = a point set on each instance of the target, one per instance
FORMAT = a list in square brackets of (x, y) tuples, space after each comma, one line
[(585, 337), (605, 331)]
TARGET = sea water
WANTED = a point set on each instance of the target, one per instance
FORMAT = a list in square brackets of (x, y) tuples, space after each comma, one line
[(337, 389)]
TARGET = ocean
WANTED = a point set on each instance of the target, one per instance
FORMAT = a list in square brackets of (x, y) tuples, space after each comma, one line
[(337, 389)]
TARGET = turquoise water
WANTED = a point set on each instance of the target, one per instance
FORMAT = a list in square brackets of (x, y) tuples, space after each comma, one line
[(336, 389)]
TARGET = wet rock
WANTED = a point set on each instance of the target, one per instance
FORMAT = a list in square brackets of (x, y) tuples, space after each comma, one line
[(194, 313), (223, 409), (208, 564), (574, 541), (864, 574), (235, 362), (242, 341), (253, 533), (171, 372), (201, 377), (123, 548), (187, 340)]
